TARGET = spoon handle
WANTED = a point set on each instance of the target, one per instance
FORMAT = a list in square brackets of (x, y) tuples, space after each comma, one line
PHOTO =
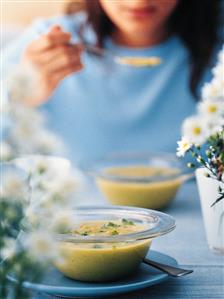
[(92, 49), (172, 271)]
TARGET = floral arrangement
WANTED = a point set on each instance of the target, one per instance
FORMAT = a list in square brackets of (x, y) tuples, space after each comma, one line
[(13, 258), (32, 188), (203, 133), (28, 199), (24, 128)]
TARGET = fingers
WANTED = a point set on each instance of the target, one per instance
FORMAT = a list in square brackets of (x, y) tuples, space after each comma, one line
[(53, 54), (61, 63), (53, 49), (62, 73), (59, 60), (47, 41), (54, 58)]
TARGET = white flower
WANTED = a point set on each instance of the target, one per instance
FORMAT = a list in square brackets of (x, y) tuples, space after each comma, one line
[(53, 181), (26, 133), (213, 90), (218, 72), (63, 221), (38, 215), (32, 216), (22, 135), (6, 152), (22, 83), (47, 166), (13, 186), (62, 186), (47, 142), (9, 249), (195, 129), (183, 146), (27, 116), (215, 125), (221, 56), (40, 245), (211, 108)]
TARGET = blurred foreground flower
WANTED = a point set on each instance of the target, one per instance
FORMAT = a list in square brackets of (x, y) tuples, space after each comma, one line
[(33, 189), (24, 127), (13, 258), (55, 187), (40, 245), (48, 186)]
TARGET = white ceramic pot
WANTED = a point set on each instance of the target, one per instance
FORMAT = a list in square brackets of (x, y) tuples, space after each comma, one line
[(213, 216)]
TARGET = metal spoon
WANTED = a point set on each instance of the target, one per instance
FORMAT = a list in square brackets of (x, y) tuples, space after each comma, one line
[(172, 271), (133, 61)]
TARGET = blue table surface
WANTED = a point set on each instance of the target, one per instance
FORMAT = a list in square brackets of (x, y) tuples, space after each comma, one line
[(187, 244)]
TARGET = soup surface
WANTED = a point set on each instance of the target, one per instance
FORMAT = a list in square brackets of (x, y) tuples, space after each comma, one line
[(108, 228)]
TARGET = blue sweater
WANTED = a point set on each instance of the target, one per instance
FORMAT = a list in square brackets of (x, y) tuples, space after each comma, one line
[(112, 108)]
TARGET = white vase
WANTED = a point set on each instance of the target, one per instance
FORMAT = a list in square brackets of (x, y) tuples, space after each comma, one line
[(213, 216)]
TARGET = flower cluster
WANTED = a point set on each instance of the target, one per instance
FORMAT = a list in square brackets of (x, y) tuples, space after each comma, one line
[(54, 187), (203, 133), (37, 194), (23, 127), (13, 257), (36, 191)]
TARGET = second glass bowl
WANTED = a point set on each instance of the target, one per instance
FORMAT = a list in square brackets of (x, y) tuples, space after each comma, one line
[(142, 180)]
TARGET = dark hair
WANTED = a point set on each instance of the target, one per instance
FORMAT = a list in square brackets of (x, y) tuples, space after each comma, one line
[(194, 21)]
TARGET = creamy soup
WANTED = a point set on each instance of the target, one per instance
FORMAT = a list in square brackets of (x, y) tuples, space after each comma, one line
[(152, 195), (103, 261), (139, 61)]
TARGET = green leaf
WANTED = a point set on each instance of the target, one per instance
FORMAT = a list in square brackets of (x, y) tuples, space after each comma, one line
[(217, 200)]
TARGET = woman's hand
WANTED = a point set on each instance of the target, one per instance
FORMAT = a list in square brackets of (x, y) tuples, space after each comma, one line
[(53, 58)]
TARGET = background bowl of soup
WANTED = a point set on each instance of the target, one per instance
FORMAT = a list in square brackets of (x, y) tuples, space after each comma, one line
[(142, 180), (109, 243)]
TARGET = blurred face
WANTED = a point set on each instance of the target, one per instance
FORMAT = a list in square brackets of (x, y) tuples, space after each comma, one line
[(138, 16)]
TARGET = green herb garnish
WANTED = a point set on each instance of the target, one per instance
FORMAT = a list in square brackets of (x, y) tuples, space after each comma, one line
[(127, 222), (76, 232), (86, 233), (109, 224), (112, 224), (114, 232), (97, 246)]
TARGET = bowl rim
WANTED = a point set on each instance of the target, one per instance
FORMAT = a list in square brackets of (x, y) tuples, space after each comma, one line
[(164, 224), (94, 168)]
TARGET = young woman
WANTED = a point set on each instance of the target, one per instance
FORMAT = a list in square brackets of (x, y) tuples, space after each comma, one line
[(98, 106)]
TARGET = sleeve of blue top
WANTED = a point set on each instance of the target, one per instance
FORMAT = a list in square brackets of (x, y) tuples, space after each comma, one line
[(13, 51)]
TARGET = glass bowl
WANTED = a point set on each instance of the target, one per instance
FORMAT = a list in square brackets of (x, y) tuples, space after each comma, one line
[(144, 180), (101, 257)]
